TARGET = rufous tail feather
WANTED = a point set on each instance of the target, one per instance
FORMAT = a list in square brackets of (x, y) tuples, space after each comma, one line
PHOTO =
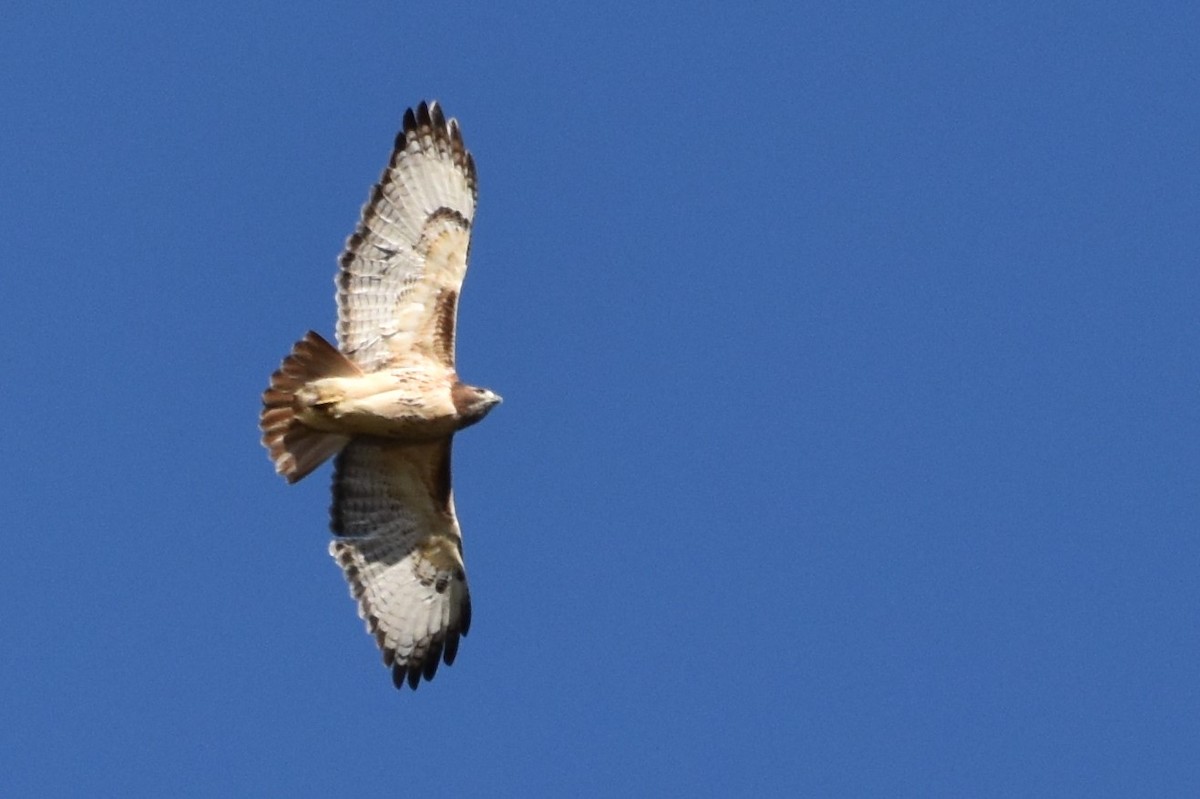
[(294, 447)]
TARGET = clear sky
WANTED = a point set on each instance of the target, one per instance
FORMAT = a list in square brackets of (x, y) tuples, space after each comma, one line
[(850, 435)]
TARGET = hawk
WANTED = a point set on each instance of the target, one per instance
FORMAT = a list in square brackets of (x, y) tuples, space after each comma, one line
[(387, 401)]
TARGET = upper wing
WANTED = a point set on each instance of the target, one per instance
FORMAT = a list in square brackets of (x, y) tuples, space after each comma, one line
[(401, 548), (402, 270)]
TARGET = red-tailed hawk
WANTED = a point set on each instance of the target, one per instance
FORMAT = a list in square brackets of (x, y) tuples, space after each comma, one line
[(387, 401)]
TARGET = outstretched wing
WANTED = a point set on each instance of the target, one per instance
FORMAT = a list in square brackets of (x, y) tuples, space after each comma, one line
[(401, 548), (402, 270)]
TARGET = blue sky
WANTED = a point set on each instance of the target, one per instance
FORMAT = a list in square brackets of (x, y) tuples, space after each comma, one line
[(849, 355)]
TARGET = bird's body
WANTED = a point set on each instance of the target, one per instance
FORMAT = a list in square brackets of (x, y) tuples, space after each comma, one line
[(410, 404), (388, 400)]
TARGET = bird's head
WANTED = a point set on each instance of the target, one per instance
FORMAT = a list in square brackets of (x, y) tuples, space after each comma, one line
[(473, 402)]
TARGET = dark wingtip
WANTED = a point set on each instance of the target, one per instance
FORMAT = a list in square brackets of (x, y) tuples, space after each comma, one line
[(435, 114), (464, 617), (431, 663), (411, 674)]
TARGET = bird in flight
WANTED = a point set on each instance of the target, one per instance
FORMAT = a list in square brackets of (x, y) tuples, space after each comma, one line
[(387, 401)]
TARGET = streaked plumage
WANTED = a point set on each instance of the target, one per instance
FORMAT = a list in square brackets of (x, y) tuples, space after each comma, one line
[(387, 401)]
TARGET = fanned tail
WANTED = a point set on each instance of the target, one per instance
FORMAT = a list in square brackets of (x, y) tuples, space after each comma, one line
[(294, 447)]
